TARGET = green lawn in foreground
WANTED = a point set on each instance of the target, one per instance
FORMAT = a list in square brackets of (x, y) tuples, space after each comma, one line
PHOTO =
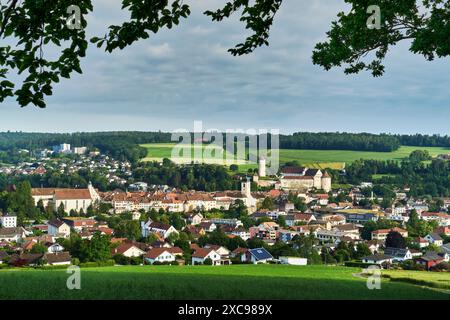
[(205, 282), (314, 158)]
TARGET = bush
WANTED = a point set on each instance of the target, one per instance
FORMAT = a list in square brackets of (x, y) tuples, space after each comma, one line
[(108, 263), (121, 259), (358, 264), (208, 262), (53, 267), (443, 266), (411, 265)]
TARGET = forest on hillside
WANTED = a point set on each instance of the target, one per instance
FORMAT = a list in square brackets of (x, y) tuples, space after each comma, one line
[(124, 145)]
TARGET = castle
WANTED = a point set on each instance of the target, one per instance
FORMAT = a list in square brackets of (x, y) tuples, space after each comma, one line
[(301, 178), (297, 178)]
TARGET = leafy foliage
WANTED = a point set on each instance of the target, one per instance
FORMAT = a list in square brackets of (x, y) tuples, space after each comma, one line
[(39, 26), (350, 41)]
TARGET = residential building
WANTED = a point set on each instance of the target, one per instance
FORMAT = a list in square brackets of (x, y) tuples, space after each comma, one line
[(8, 221), (162, 229), (128, 249), (58, 228), (383, 233), (12, 234), (201, 254), (435, 239), (258, 255)]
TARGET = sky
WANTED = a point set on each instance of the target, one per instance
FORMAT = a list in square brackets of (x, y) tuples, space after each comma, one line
[(185, 74)]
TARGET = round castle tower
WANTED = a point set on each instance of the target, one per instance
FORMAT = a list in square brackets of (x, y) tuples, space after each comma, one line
[(326, 182)]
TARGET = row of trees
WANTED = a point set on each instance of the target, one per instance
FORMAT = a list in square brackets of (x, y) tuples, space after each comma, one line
[(202, 177), (340, 141)]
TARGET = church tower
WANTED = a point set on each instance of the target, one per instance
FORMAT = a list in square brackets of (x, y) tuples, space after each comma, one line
[(246, 188)]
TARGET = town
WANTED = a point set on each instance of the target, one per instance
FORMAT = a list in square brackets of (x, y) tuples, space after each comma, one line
[(296, 217)]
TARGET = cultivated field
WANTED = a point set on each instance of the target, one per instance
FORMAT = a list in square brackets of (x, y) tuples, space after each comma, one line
[(206, 282), (320, 159)]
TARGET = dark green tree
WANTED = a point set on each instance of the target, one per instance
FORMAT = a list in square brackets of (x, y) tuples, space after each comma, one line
[(395, 240)]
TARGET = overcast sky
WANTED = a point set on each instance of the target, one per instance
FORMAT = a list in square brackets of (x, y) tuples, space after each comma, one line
[(185, 74)]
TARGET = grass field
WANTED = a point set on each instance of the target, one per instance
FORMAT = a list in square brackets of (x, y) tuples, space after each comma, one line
[(320, 159), (205, 282), (439, 280)]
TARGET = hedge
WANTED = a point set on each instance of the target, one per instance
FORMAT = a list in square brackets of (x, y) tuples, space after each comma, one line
[(358, 264), (108, 263)]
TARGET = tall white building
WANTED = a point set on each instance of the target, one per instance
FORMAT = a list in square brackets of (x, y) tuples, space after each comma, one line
[(8, 221), (62, 148)]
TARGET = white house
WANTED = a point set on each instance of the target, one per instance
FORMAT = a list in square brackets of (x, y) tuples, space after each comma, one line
[(8, 221), (222, 251), (258, 255), (398, 254), (128, 249), (201, 254), (163, 254), (58, 258), (58, 228), (377, 259), (195, 218), (163, 229), (12, 234), (434, 238)]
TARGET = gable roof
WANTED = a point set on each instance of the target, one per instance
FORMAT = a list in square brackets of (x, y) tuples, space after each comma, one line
[(377, 257), (156, 252), (431, 256), (58, 257), (56, 223), (260, 254), (11, 232), (160, 225), (240, 250), (124, 247), (72, 194), (396, 252), (311, 172), (435, 236), (293, 170), (202, 252)]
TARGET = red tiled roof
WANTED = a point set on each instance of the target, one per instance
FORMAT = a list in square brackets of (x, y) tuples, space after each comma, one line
[(201, 252)]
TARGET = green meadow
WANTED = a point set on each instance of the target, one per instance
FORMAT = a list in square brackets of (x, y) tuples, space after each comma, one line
[(321, 159), (206, 282)]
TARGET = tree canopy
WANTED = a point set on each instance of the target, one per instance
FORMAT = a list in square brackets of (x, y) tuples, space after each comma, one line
[(35, 27)]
